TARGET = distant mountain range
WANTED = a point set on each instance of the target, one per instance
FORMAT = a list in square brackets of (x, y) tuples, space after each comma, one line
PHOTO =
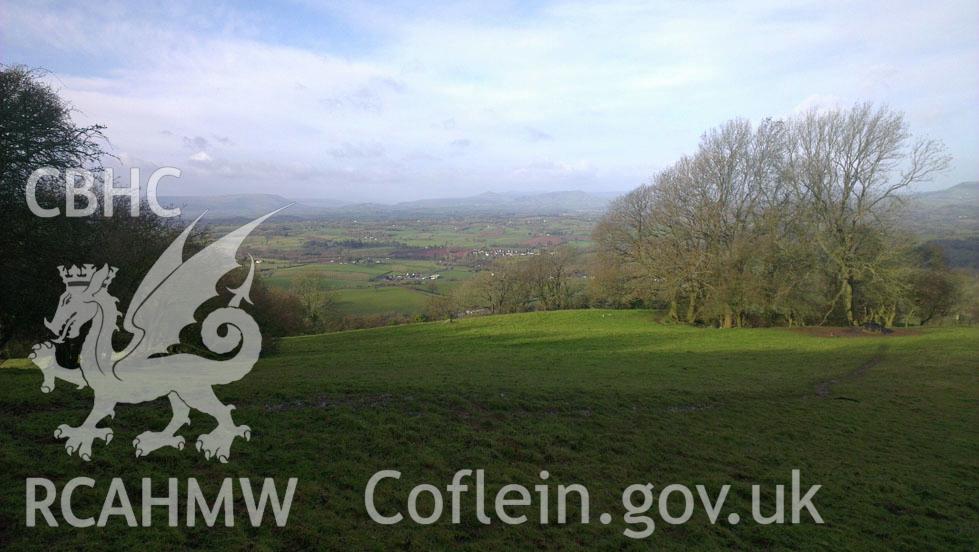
[(489, 203), (949, 213)]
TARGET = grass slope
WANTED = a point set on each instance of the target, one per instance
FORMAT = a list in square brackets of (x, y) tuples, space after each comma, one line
[(888, 426)]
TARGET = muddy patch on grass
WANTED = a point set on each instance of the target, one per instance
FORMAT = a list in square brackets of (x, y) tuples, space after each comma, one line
[(849, 331)]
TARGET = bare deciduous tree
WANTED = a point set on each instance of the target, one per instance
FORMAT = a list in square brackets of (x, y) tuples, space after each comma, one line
[(847, 167), (791, 221)]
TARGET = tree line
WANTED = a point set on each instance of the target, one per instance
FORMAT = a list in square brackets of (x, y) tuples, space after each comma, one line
[(549, 279)]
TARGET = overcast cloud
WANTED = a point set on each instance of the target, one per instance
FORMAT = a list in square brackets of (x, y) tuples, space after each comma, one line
[(403, 101)]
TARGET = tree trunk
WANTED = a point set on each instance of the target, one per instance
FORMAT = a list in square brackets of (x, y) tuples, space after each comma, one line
[(672, 313), (848, 301), (891, 315), (728, 320)]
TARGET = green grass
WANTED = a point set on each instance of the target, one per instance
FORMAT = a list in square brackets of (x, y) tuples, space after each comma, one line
[(381, 300), (601, 398), (329, 275)]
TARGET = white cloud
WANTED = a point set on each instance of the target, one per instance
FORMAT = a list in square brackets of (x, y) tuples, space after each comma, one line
[(818, 102), (569, 94)]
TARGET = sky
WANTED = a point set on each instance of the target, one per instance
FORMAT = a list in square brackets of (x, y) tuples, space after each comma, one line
[(406, 100)]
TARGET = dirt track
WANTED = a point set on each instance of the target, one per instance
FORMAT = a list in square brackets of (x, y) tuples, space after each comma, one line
[(825, 388)]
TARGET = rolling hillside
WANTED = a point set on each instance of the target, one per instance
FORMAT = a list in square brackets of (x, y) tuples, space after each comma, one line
[(949, 219), (600, 398), (947, 214)]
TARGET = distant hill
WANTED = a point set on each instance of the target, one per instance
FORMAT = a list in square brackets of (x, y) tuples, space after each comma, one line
[(550, 203), (945, 214), (949, 219), (948, 213), (489, 203), (963, 191)]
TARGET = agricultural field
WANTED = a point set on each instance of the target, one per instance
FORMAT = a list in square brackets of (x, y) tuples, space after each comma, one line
[(887, 425), (471, 231), (346, 275), (381, 300), (365, 263), (367, 288)]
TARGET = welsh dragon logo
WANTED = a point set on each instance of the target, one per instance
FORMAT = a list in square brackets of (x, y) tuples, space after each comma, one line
[(164, 303)]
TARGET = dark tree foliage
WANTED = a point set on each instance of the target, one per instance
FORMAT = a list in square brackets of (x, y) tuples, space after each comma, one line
[(960, 253), (36, 130), (935, 290)]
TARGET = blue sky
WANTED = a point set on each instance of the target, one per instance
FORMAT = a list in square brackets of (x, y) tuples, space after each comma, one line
[(405, 100)]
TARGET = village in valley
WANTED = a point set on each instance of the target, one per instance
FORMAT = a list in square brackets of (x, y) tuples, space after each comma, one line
[(394, 269)]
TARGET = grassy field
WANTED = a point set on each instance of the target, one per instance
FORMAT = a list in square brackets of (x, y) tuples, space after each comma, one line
[(346, 275), (381, 300), (889, 426), (359, 289)]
